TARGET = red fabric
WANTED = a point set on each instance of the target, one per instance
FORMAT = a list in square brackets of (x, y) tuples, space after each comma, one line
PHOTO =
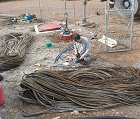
[(48, 26)]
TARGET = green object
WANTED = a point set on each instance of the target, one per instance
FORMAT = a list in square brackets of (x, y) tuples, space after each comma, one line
[(48, 44)]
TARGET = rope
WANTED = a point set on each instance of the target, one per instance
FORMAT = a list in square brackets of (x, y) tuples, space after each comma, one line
[(13, 49), (88, 89)]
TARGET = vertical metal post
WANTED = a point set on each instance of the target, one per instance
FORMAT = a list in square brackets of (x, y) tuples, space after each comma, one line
[(84, 11), (132, 23), (65, 6), (66, 15), (106, 25), (74, 13), (40, 9)]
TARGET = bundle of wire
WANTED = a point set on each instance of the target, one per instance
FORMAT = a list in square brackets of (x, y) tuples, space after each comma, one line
[(88, 89), (13, 47)]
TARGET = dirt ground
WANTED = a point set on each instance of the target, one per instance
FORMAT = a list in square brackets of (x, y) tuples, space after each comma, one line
[(44, 56)]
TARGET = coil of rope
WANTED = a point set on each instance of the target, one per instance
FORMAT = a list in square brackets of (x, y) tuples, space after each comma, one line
[(89, 89), (13, 49)]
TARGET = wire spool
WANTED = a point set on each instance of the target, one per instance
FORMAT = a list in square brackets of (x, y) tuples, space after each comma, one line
[(66, 36), (1, 95)]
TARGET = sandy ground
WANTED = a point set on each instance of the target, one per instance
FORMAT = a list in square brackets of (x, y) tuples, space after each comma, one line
[(38, 53)]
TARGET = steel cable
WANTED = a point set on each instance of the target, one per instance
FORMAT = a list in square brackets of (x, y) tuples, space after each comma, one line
[(83, 90)]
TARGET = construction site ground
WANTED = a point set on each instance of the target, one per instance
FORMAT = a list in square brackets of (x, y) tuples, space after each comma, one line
[(41, 57)]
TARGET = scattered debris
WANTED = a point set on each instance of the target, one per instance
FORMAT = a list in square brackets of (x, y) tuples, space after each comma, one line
[(27, 17), (75, 112), (12, 21), (97, 13), (56, 117), (66, 63), (84, 112), (38, 64), (93, 35), (22, 18)]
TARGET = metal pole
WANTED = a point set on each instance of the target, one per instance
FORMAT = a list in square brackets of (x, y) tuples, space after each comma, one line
[(66, 15), (84, 10), (106, 25), (132, 24), (65, 6), (40, 9), (74, 13)]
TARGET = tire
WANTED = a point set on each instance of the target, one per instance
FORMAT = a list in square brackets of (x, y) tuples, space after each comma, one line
[(127, 4)]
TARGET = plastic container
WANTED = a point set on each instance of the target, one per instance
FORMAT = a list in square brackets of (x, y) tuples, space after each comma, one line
[(1, 95), (28, 17), (66, 36)]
